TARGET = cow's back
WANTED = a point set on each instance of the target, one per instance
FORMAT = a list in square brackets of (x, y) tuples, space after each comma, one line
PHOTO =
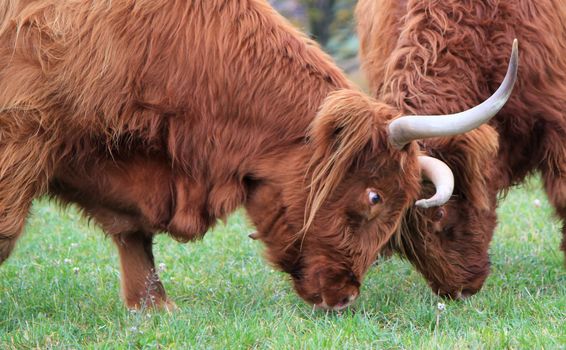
[(475, 32)]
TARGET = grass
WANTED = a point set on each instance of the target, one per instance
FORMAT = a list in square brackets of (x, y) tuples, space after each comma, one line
[(60, 290)]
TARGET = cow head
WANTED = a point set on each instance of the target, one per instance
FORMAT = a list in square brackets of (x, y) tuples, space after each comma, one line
[(350, 188), (449, 244)]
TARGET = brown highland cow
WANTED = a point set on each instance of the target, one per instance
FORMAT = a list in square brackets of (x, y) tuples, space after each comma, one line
[(437, 57), (164, 116)]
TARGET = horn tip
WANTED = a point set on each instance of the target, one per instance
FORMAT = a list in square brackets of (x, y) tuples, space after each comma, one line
[(515, 50)]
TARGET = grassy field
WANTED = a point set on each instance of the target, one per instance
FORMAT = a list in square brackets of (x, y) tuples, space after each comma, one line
[(60, 289)]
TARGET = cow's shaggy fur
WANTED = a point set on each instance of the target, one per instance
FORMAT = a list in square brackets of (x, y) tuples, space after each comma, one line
[(167, 115), (441, 56)]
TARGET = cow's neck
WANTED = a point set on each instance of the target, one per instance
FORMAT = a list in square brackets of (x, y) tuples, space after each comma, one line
[(251, 120)]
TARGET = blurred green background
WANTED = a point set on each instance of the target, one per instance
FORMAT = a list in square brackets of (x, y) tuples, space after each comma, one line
[(330, 22)]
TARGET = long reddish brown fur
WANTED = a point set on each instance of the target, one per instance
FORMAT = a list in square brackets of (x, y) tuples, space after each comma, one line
[(435, 57), (167, 115)]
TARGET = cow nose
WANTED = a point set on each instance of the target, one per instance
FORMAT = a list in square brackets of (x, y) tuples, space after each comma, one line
[(345, 301), (342, 304)]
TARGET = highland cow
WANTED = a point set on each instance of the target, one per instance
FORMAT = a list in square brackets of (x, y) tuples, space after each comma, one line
[(164, 116), (442, 56)]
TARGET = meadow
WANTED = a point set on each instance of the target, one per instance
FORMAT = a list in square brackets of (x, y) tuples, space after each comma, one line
[(60, 289)]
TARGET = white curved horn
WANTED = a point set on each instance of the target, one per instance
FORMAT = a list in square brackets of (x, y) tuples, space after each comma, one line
[(409, 128), (441, 176)]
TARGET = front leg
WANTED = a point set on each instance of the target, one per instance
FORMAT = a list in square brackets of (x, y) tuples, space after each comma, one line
[(553, 168), (141, 286)]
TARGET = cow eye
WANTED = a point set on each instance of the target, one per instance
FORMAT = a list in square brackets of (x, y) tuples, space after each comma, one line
[(374, 198)]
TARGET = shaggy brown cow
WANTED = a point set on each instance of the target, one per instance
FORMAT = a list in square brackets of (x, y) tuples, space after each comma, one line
[(442, 56), (167, 115)]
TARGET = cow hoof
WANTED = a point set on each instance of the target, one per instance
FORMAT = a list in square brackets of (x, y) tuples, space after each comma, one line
[(153, 305)]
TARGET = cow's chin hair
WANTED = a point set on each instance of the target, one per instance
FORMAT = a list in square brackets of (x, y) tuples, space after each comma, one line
[(324, 283), (320, 280)]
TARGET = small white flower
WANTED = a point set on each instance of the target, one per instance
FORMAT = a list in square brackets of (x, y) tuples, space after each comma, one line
[(67, 261), (537, 203), (76, 270), (133, 329), (441, 306), (161, 267)]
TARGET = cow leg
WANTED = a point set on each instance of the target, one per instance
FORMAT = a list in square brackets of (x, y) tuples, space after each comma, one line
[(556, 191), (129, 200), (11, 226), (141, 286), (13, 214), (554, 177), (553, 169), (24, 169)]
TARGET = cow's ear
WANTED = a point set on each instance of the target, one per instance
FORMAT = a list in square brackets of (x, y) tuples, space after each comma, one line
[(348, 121), (343, 123), (471, 157)]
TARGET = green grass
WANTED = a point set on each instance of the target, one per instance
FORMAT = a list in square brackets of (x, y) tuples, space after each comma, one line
[(228, 297)]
